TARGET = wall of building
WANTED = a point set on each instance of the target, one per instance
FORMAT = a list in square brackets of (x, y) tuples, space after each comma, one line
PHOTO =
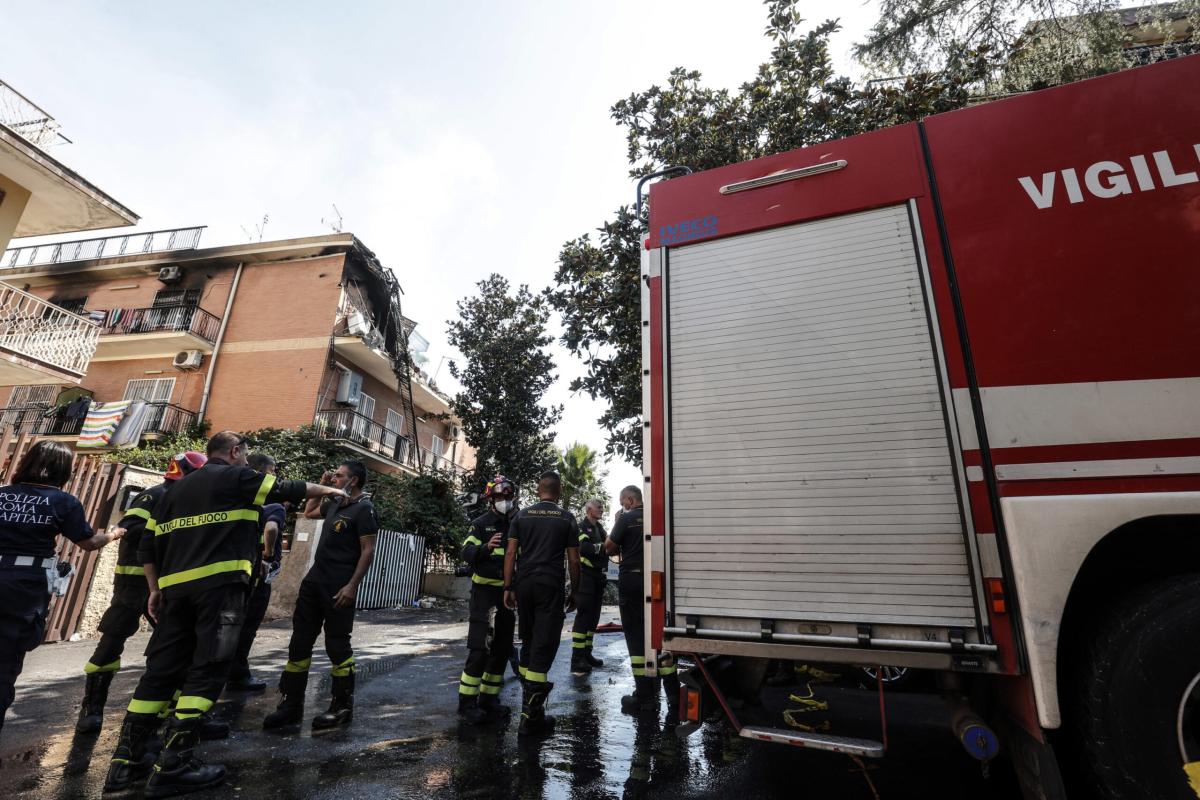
[(276, 347), (12, 206)]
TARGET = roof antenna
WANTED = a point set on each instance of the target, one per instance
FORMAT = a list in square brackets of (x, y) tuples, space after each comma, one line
[(334, 225)]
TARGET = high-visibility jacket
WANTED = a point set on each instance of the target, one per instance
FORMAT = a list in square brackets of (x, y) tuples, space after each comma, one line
[(129, 571), (206, 528), (591, 546), (488, 564)]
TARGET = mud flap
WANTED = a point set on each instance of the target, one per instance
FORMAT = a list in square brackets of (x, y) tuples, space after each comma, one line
[(1035, 763)]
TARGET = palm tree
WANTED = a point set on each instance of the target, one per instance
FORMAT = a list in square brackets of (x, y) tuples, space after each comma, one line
[(582, 477)]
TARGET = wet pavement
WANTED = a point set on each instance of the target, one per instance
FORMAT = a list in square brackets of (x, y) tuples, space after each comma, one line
[(406, 742)]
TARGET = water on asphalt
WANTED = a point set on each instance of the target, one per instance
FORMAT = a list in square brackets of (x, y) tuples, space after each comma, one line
[(406, 740)]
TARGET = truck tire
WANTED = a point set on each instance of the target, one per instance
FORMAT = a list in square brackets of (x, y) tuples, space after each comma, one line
[(1138, 708)]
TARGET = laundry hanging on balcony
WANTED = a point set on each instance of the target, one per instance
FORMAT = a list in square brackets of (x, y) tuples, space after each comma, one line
[(101, 422), (129, 432)]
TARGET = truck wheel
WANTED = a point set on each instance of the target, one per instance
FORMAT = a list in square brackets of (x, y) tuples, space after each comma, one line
[(1138, 711)]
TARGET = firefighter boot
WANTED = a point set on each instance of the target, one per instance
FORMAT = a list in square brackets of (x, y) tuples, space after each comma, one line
[(177, 770), (589, 658), (644, 697), (671, 687), (534, 721), (579, 663), (341, 708), (469, 710), (211, 729), (291, 703), (492, 708), (95, 695), (131, 761)]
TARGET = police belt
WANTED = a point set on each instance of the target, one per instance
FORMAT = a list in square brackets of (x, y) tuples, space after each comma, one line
[(7, 560)]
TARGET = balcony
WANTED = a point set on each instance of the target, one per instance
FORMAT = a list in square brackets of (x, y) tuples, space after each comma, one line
[(366, 437), (41, 343), (164, 241), (433, 461), (154, 332), (42, 420)]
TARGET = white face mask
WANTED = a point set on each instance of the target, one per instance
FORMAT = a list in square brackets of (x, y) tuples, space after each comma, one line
[(503, 506)]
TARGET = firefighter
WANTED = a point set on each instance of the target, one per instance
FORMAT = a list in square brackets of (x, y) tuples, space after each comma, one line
[(326, 600), (542, 533), (626, 539), (483, 674), (130, 595), (205, 539), (593, 575), (33, 512)]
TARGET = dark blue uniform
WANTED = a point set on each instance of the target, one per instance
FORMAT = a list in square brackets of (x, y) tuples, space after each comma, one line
[(31, 517)]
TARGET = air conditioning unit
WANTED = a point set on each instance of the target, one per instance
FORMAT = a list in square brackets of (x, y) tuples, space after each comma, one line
[(171, 274), (357, 324), (349, 389), (188, 359)]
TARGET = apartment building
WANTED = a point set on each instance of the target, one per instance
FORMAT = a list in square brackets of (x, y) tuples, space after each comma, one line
[(274, 334)]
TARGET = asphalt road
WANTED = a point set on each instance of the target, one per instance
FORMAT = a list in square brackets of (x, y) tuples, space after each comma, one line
[(406, 741)]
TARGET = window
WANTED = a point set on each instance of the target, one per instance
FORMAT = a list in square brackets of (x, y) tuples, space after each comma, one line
[(361, 430), (156, 391), (438, 446), (24, 398), (73, 304), (392, 429), (165, 298)]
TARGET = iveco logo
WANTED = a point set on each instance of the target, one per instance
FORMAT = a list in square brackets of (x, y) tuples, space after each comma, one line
[(688, 230), (1107, 179)]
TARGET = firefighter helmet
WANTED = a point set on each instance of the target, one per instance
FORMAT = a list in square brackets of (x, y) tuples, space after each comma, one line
[(183, 463), (498, 487)]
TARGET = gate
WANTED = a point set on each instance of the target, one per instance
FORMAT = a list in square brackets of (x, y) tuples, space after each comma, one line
[(95, 483), (395, 575)]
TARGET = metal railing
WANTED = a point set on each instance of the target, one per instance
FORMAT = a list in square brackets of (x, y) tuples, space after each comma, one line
[(434, 461), (350, 426), (182, 318), (84, 249), (46, 420), (35, 329)]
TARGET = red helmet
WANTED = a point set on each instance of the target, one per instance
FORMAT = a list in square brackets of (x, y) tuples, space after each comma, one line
[(183, 463), (500, 486)]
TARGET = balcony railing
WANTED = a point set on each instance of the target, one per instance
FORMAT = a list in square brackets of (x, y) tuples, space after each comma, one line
[(183, 319), (110, 246), (350, 426), (434, 461), (42, 420), (35, 329)]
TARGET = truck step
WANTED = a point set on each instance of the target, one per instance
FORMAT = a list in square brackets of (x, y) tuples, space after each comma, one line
[(816, 741)]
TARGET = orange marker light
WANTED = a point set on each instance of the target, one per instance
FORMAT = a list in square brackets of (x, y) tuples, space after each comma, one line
[(995, 590), (656, 586), (693, 705)]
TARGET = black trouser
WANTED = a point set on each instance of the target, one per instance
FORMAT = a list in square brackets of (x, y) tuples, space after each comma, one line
[(256, 609), (631, 600), (540, 602), (489, 641), (191, 650), (122, 620), (588, 599), (22, 624), (314, 611)]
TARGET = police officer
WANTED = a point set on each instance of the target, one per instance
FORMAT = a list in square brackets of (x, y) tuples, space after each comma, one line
[(626, 539), (483, 674), (593, 574), (33, 512), (206, 532), (130, 595), (541, 533), (326, 600)]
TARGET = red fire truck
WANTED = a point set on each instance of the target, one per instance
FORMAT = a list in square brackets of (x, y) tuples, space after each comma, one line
[(930, 397)]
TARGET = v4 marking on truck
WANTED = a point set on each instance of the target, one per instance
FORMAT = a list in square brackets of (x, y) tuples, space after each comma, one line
[(1107, 179)]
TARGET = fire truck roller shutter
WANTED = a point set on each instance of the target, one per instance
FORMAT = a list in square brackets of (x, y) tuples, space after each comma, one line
[(804, 382)]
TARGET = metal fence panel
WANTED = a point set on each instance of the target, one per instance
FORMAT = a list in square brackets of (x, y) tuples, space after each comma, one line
[(395, 575)]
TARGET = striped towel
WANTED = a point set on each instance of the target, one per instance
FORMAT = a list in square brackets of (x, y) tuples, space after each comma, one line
[(101, 421)]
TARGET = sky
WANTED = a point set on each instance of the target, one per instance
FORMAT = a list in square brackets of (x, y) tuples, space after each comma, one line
[(455, 139)]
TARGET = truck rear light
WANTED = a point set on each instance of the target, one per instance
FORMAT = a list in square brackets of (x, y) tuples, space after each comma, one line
[(995, 590), (656, 586), (691, 704)]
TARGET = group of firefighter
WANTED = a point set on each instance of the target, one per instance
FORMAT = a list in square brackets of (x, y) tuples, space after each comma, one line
[(196, 558)]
